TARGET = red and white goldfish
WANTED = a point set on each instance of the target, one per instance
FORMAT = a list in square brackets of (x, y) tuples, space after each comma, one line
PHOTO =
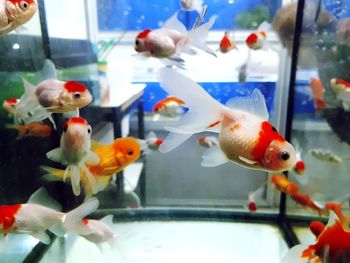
[(34, 219), (190, 5), (34, 129), (51, 96), (226, 44), (299, 167), (283, 184), (342, 90), (170, 107), (75, 152), (245, 135), (113, 159), (10, 105), (14, 13), (332, 245), (151, 143), (173, 39), (208, 141), (252, 198), (257, 40), (317, 91)]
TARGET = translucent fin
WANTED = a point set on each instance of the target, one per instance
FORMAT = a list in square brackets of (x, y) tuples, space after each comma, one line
[(198, 36), (172, 141), (42, 236), (90, 178), (57, 230), (174, 60), (264, 26), (213, 157), (175, 24), (254, 103), (246, 160), (108, 220), (151, 135), (65, 174), (294, 255), (75, 179), (344, 95), (91, 158), (204, 109), (73, 221), (49, 70), (55, 155), (41, 197), (198, 6)]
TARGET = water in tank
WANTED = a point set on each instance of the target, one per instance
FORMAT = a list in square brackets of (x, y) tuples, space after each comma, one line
[(175, 130)]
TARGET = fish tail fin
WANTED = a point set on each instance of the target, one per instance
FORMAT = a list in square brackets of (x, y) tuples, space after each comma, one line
[(198, 6), (198, 36), (28, 100), (101, 183), (73, 220), (204, 111)]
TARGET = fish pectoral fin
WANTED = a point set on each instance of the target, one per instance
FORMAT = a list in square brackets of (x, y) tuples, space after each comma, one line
[(57, 230), (213, 157), (243, 159), (55, 155), (92, 158), (42, 236), (21, 29)]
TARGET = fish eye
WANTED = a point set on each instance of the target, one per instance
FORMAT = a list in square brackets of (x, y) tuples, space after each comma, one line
[(65, 127), (284, 156), (137, 42), (89, 130), (23, 5), (77, 95), (130, 152), (274, 129)]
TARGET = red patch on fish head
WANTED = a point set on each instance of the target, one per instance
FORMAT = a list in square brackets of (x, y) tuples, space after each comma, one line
[(75, 120), (19, 1), (159, 141), (12, 101), (317, 227), (73, 86), (225, 43), (143, 34), (201, 140), (252, 39), (343, 82), (300, 167), (85, 221), (158, 107), (252, 207), (8, 217)]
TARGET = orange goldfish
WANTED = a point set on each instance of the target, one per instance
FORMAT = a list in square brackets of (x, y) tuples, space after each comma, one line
[(34, 219), (226, 44), (317, 228), (172, 39), (317, 90), (170, 107), (34, 129), (74, 151), (257, 40), (332, 245), (14, 13), (306, 201), (283, 184), (113, 159), (245, 135), (51, 96)]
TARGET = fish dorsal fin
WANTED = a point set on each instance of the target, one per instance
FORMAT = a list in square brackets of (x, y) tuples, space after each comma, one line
[(151, 135), (175, 24), (213, 157), (264, 26), (49, 70), (254, 103), (108, 220), (29, 88), (41, 197)]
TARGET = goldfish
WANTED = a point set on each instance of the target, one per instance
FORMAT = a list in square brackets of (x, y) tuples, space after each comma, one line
[(245, 135), (342, 90), (34, 218), (10, 105), (226, 44), (190, 5), (15, 13), (299, 167), (170, 107), (75, 152), (332, 245), (208, 141), (151, 143), (96, 231), (325, 156), (172, 39), (283, 184), (113, 158), (317, 90), (252, 196), (317, 228), (306, 201), (51, 96), (337, 209), (34, 129), (257, 40)]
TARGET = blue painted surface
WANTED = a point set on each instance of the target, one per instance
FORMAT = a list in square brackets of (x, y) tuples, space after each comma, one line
[(142, 14)]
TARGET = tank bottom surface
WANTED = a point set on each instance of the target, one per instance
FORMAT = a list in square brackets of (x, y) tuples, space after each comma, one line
[(172, 241)]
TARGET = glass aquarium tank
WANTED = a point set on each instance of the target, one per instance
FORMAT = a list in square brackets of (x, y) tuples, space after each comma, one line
[(174, 130)]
